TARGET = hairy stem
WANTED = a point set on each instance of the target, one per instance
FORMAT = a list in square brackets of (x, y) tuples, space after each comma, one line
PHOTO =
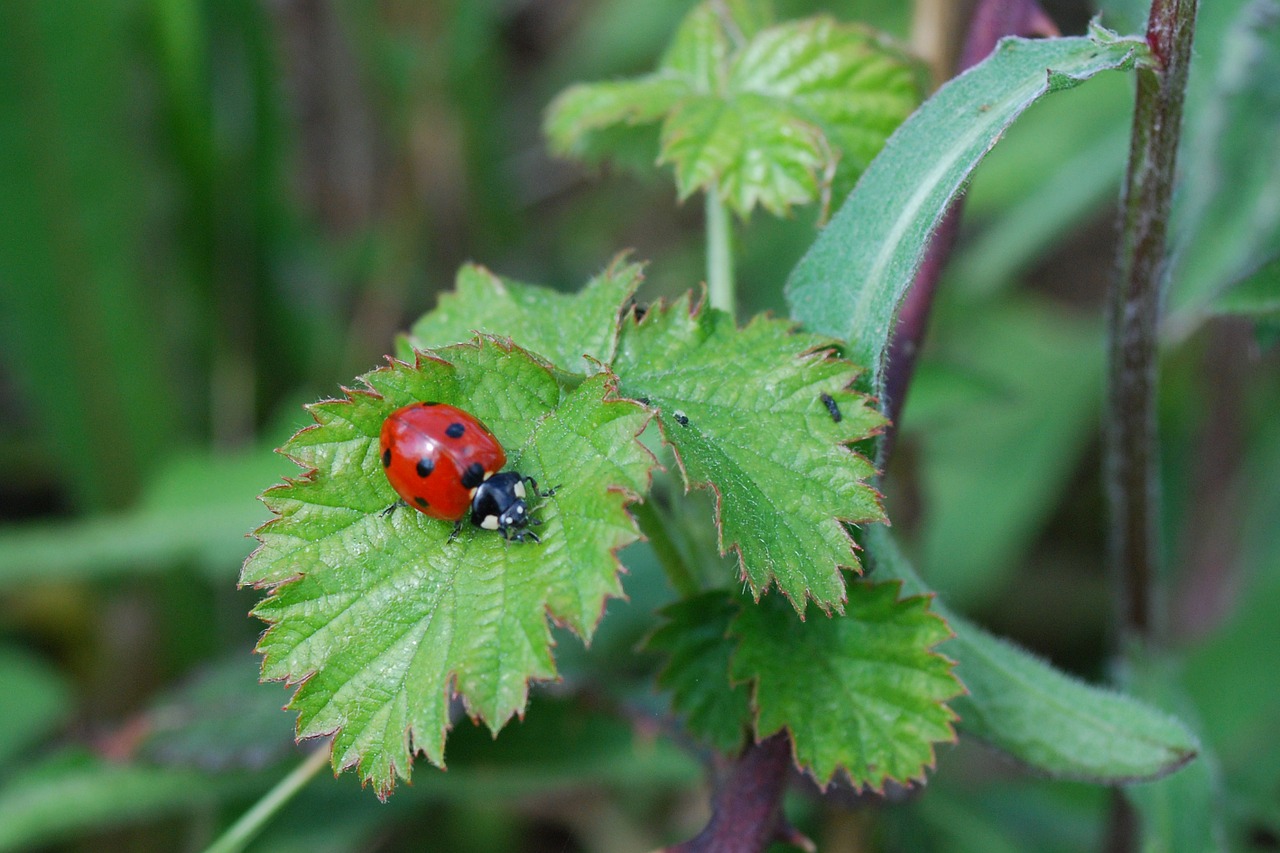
[(240, 833), (1133, 311), (719, 253), (748, 815)]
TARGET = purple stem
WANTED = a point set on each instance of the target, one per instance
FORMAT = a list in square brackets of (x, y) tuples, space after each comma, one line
[(992, 20), (747, 814), (1133, 314)]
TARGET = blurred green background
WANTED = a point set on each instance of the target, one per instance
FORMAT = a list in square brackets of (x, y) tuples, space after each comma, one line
[(214, 211)]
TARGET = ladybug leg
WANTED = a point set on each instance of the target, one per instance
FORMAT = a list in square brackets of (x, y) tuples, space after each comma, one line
[(395, 506), (533, 487), (457, 528)]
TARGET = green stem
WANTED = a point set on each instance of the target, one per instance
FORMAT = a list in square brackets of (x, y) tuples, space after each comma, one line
[(1133, 309), (240, 833), (719, 253), (673, 563)]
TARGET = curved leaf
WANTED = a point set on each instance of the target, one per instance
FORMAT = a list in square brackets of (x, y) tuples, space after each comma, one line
[(851, 281), (1038, 714)]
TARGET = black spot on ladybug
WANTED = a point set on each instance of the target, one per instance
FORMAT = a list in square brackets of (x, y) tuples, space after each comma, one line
[(455, 430), (425, 467), (680, 417), (473, 476), (386, 457), (422, 502), (832, 408)]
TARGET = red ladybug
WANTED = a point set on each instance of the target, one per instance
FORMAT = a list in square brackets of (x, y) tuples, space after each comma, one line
[(444, 462)]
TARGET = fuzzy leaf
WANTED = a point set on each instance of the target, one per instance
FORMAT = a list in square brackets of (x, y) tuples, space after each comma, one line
[(744, 411), (767, 115), (861, 693), (853, 278), (695, 640), (382, 619), (1039, 715), (538, 317)]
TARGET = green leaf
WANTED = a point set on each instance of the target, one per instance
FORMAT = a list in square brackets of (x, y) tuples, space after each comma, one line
[(36, 700), (78, 312), (862, 694), (991, 473), (1226, 220), (743, 410), (173, 523), (695, 640), (753, 146), (382, 618), (1257, 295), (578, 119), (1180, 811), (62, 797), (850, 283), (769, 115), (1039, 715), (217, 720), (562, 327)]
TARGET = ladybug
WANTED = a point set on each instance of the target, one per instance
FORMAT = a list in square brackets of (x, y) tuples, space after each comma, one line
[(444, 462)]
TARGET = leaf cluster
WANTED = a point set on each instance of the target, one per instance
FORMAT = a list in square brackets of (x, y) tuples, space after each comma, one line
[(761, 113), (381, 618)]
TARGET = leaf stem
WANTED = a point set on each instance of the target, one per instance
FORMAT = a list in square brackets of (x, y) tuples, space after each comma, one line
[(1133, 309), (654, 527), (719, 253), (747, 812), (240, 833)]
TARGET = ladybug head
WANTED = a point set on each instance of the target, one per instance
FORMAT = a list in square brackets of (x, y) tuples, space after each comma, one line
[(499, 504)]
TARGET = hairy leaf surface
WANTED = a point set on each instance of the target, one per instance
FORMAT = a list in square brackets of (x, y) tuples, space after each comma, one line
[(768, 115), (380, 617), (745, 411)]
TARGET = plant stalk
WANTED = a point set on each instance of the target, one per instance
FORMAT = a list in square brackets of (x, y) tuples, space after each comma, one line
[(719, 253), (1131, 450), (654, 528), (244, 830)]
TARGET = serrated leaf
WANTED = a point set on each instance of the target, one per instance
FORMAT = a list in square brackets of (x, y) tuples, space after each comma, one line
[(862, 694), (744, 411), (380, 617), (768, 115), (850, 283), (563, 327), (699, 50), (847, 79), (696, 642), (1036, 713), (753, 146), (579, 118)]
